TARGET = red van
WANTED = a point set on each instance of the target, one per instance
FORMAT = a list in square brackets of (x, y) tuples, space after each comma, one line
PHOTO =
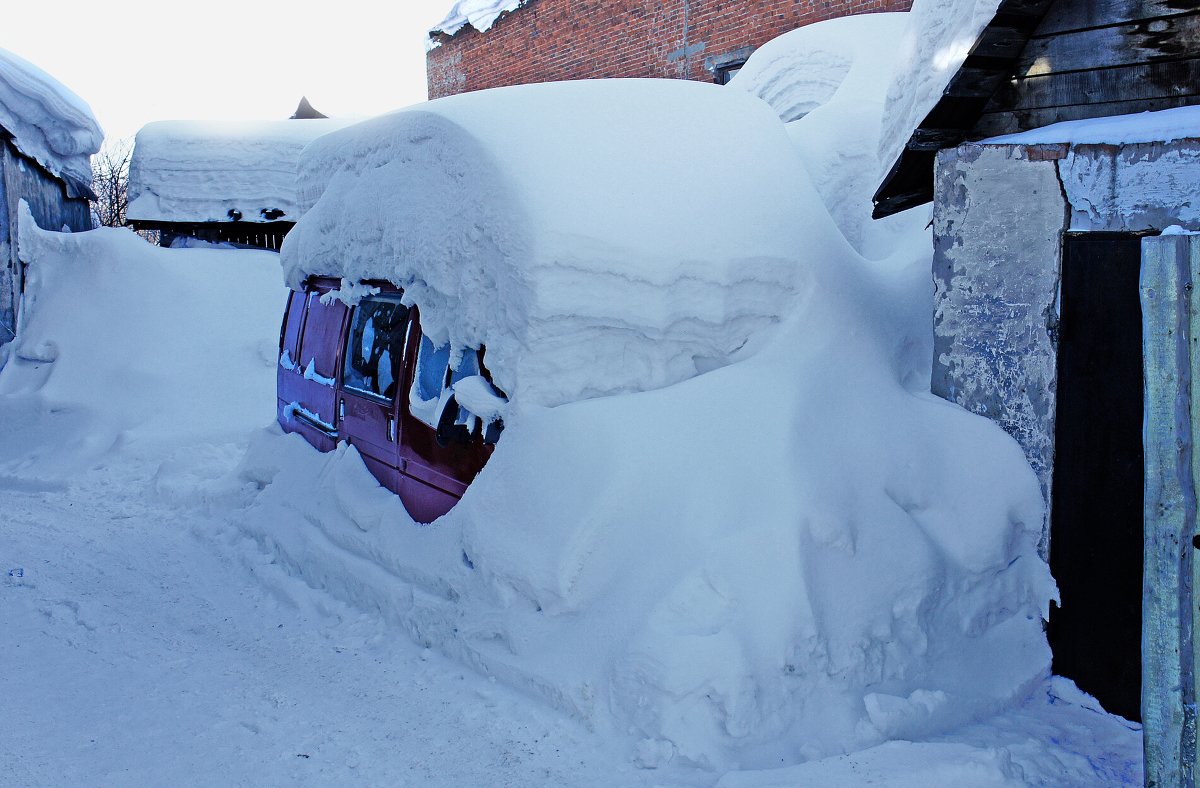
[(367, 375)]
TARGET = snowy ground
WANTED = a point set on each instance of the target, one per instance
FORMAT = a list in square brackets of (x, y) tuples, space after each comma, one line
[(150, 644)]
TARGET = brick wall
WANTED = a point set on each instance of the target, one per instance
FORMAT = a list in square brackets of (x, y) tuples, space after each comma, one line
[(549, 40)]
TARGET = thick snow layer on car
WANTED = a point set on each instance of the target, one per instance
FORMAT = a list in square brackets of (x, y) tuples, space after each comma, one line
[(828, 82), (597, 237), (200, 171), (48, 122), (479, 14)]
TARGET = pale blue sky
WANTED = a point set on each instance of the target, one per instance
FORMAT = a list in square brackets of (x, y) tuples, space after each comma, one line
[(135, 61)]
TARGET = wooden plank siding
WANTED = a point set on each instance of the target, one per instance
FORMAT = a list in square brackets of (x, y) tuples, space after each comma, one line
[(1041, 62), (1100, 58), (1065, 17)]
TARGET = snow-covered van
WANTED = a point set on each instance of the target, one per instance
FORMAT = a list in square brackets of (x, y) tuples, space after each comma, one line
[(597, 238), (367, 375)]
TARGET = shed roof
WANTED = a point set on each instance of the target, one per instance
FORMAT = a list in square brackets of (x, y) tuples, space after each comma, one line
[(47, 122), (989, 60), (219, 171), (1031, 64)]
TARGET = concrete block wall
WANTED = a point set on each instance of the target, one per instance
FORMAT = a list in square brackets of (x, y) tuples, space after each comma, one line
[(547, 40)]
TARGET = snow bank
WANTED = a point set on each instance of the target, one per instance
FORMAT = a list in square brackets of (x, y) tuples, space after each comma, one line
[(48, 122), (657, 224), (123, 341), (479, 14), (940, 35), (828, 82), (1162, 126), (199, 171), (788, 557)]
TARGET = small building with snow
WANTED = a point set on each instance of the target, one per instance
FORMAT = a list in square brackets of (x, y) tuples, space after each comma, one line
[(492, 43), (221, 181), (47, 137), (1063, 161)]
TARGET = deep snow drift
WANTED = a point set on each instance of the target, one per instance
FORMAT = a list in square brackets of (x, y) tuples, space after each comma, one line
[(797, 554), (828, 82), (100, 360), (199, 171), (48, 122), (141, 600)]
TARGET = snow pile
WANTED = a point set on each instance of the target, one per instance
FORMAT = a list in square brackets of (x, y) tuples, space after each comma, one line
[(1162, 126), (123, 341), (479, 14), (48, 122), (658, 224), (788, 557), (940, 35), (828, 81), (201, 171)]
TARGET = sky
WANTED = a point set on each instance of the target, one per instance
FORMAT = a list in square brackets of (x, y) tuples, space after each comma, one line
[(135, 61)]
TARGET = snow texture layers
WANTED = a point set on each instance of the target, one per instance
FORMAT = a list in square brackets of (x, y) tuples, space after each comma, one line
[(828, 82), (596, 237), (789, 557), (479, 14), (940, 34), (200, 171), (48, 122)]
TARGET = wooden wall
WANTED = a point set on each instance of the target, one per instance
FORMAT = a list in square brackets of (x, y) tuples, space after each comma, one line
[(1094, 58), (24, 179)]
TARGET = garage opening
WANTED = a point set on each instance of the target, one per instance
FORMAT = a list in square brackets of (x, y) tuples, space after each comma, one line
[(1096, 523)]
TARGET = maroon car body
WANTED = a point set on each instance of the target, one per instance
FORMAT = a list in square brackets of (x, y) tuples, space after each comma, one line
[(367, 375)]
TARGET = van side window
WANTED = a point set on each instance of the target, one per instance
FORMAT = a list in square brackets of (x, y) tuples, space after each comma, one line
[(290, 338), (428, 381), (319, 342), (375, 347)]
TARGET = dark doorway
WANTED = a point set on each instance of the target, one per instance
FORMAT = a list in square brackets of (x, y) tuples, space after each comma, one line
[(1096, 535)]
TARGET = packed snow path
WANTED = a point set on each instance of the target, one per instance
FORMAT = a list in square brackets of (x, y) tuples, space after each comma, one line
[(146, 645)]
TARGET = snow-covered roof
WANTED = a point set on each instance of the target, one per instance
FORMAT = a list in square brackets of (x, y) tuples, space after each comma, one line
[(597, 236), (1162, 126), (48, 122), (479, 14), (200, 171), (940, 35)]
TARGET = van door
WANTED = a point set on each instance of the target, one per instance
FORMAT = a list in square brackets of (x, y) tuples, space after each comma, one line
[(316, 367), (436, 476), (372, 375)]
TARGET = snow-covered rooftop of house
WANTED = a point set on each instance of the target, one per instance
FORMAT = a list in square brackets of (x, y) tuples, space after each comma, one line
[(48, 122), (1162, 126), (199, 171), (653, 222), (479, 14)]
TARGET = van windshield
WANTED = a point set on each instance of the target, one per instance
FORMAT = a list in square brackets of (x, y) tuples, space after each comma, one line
[(375, 347)]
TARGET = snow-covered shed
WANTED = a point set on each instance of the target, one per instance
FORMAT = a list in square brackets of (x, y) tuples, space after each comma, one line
[(47, 137), (1059, 141), (228, 181)]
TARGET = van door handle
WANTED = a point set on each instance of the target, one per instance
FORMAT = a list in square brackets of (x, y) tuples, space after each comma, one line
[(391, 427)]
